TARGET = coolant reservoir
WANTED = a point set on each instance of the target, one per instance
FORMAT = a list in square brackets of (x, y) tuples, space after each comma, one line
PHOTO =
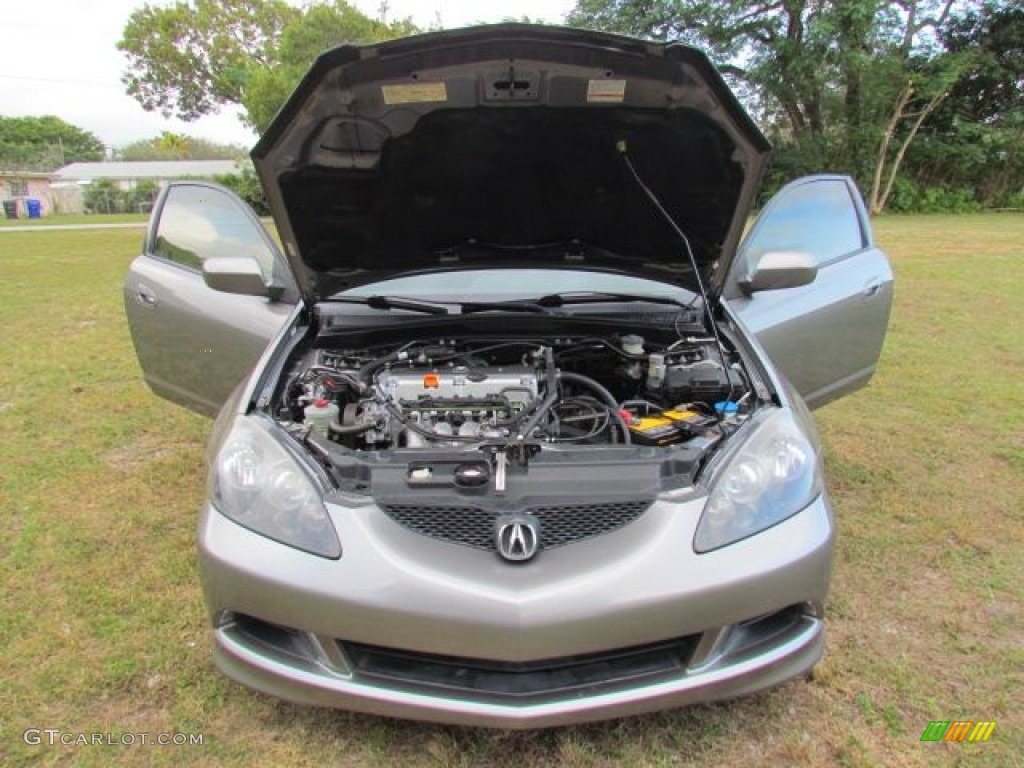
[(319, 414)]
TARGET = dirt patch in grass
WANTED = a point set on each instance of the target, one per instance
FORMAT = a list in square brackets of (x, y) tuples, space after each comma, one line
[(145, 449)]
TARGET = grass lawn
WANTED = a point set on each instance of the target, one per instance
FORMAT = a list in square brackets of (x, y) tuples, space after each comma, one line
[(77, 218), (103, 630)]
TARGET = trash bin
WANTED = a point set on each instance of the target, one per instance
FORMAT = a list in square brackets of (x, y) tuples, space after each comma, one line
[(35, 207), (11, 209)]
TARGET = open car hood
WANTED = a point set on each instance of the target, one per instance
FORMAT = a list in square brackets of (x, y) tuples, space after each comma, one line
[(461, 149)]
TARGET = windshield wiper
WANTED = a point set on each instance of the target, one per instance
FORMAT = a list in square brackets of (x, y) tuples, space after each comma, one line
[(469, 307), (565, 299), (554, 300), (392, 302)]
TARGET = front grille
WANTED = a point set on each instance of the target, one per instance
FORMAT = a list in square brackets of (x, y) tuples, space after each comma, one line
[(560, 524), (586, 674)]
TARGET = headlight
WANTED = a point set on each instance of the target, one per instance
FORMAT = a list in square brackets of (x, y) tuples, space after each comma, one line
[(257, 483), (773, 476)]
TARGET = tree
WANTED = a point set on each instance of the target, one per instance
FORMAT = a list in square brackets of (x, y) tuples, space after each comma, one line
[(775, 49), (975, 137), (992, 89), (168, 141), (141, 197), (321, 27), (44, 143), (192, 58), (247, 186), (177, 146), (919, 95), (104, 196)]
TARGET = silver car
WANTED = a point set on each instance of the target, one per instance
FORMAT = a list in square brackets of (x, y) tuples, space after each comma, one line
[(513, 429)]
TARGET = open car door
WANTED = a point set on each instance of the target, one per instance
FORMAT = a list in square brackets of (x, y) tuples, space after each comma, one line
[(814, 288), (195, 343)]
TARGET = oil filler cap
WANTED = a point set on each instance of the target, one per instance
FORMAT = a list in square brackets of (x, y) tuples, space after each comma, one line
[(472, 475)]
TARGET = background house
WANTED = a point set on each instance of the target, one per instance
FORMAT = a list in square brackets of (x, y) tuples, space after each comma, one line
[(74, 180), (22, 185)]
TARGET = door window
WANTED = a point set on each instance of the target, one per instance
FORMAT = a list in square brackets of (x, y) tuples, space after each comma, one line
[(200, 222), (817, 217)]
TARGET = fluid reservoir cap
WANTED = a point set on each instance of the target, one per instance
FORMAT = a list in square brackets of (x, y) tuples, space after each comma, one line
[(726, 408), (321, 403), (472, 475), (633, 344)]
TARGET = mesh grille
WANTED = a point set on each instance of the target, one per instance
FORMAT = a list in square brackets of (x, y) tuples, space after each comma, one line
[(560, 524)]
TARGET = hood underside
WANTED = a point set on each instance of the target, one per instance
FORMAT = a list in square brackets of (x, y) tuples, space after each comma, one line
[(466, 149)]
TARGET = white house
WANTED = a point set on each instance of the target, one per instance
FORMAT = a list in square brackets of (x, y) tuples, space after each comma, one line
[(127, 174)]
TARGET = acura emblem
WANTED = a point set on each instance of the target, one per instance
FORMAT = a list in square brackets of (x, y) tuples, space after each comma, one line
[(517, 537)]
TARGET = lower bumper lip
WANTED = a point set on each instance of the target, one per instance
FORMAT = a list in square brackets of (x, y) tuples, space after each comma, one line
[(789, 656)]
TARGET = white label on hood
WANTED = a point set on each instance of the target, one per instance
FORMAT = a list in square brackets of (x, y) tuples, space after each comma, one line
[(412, 93), (606, 91)]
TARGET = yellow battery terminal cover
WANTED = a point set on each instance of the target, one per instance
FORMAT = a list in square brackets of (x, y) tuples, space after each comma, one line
[(677, 415), (666, 427), (657, 429), (692, 420)]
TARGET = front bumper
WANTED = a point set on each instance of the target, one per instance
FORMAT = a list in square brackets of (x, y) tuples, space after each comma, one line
[(743, 618)]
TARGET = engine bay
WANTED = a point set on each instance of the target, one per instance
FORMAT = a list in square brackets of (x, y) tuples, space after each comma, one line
[(502, 392)]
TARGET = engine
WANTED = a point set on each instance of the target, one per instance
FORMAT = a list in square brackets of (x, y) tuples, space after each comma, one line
[(458, 392), (462, 401)]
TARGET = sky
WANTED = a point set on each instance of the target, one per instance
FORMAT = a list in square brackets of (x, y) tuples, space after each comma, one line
[(58, 57)]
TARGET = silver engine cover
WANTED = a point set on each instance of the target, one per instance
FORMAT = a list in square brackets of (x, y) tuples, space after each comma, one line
[(460, 388)]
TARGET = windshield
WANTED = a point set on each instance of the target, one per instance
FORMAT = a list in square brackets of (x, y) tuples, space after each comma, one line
[(513, 284)]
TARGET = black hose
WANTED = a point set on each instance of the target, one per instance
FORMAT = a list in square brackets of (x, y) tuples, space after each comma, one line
[(349, 429), (551, 385), (598, 416), (606, 396), (366, 374), (539, 413)]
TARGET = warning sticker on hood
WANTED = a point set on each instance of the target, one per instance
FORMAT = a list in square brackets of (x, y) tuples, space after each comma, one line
[(414, 93), (606, 91)]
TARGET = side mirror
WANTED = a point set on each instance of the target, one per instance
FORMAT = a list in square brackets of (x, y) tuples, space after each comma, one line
[(235, 275), (780, 269)]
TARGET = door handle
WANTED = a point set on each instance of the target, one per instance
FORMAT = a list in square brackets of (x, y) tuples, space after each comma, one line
[(145, 296), (871, 288)]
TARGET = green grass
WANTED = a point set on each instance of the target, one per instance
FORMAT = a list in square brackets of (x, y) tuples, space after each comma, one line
[(103, 629), (77, 218)]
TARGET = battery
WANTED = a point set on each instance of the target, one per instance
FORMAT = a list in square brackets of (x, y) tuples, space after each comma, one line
[(667, 427), (691, 421)]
